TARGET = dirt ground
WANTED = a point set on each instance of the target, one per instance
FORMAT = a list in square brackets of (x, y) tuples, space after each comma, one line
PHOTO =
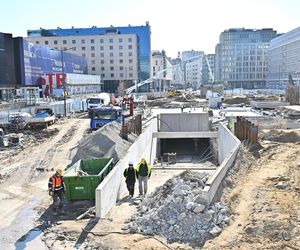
[(262, 192), (30, 167), (263, 196)]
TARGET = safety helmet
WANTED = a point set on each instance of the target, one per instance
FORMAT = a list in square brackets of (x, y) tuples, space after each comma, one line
[(58, 171)]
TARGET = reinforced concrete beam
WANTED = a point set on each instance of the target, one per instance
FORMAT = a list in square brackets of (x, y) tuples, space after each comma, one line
[(170, 135)]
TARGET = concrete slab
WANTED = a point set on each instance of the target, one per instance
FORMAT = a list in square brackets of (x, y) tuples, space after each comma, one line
[(169, 135)]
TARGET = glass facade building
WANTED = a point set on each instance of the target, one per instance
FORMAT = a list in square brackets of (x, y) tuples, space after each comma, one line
[(284, 60), (242, 57), (143, 39)]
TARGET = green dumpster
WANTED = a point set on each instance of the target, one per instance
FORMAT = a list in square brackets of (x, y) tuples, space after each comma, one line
[(83, 177)]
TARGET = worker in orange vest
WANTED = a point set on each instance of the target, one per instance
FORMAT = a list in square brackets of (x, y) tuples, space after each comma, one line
[(56, 189)]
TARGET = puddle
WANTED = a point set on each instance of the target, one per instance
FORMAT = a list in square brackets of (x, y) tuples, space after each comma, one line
[(32, 240)]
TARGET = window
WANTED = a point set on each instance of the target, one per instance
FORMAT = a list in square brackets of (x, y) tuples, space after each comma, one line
[(102, 68), (92, 40), (130, 75), (130, 68), (111, 61), (129, 53), (130, 60), (129, 46), (112, 75), (37, 42), (74, 49), (102, 61), (111, 40), (121, 67), (83, 54), (120, 53), (82, 48), (111, 54), (46, 42), (111, 68), (92, 54), (102, 75), (73, 41), (93, 68), (120, 46), (121, 60), (101, 47), (101, 41), (130, 39), (92, 47), (111, 47), (83, 41), (55, 42), (93, 61), (120, 40), (121, 74), (101, 54), (64, 41)]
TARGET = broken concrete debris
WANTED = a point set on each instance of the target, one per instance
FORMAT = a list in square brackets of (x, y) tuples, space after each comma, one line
[(179, 214)]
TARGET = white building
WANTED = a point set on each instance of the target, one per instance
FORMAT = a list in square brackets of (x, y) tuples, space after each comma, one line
[(161, 70), (208, 69), (193, 71), (284, 60)]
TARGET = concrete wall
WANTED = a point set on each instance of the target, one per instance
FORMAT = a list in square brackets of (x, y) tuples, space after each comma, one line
[(113, 186), (228, 148), (183, 122)]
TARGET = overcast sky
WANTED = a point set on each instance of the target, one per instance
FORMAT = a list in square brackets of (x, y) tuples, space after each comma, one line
[(176, 25)]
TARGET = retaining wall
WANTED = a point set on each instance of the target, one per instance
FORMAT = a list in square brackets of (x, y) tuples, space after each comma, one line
[(228, 147), (113, 186)]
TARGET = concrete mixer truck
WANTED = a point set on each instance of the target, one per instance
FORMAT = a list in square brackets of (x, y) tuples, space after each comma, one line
[(102, 99)]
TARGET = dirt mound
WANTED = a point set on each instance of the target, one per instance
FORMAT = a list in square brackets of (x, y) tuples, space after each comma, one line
[(106, 141), (281, 136)]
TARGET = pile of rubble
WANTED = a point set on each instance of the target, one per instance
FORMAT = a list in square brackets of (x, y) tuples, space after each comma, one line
[(178, 212)]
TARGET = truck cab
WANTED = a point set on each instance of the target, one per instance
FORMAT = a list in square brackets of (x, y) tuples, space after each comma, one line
[(103, 115)]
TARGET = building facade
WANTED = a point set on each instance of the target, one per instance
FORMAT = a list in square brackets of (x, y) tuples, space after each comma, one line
[(7, 66), (284, 60), (177, 73), (161, 70), (193, 71), (185, 55), (116, 53), (208, 69), (242, 57)]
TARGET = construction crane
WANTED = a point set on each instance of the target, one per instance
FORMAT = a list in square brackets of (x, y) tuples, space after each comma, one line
[(129, 90)]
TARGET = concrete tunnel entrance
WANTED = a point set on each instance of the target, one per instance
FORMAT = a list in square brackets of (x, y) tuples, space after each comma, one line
[(187, 149)]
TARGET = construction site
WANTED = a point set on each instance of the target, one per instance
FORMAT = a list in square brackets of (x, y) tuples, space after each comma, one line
[(225, 174)]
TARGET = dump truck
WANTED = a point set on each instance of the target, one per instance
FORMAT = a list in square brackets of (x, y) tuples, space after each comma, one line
[(43, 117)]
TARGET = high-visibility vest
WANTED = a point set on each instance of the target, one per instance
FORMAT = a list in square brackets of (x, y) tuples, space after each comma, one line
[(56, 183)]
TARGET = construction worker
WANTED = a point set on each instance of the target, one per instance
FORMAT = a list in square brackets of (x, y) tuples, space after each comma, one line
[(143, 172), (130, 176), (56, 189)]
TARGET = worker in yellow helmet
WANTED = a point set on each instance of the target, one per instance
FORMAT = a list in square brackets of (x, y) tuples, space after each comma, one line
[(56, 189), (143, 173)]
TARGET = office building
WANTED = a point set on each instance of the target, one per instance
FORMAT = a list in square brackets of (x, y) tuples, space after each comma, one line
[(185, 55), (118, 54), (7, 67), (208, 69), (284, 60), (242, 57)]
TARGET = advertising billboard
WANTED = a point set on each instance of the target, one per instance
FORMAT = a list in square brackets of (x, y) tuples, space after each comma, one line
[(41, 60)]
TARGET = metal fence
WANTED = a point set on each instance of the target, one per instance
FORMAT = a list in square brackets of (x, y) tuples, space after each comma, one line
[(73, 105)]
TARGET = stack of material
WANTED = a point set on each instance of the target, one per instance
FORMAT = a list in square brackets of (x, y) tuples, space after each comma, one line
[(106, 141), (178, 212)]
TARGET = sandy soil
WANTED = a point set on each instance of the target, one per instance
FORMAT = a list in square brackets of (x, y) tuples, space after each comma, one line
[(23, 190), (264, 201)]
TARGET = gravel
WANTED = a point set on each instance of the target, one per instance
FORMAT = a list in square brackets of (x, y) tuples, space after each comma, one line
[(176, 213)]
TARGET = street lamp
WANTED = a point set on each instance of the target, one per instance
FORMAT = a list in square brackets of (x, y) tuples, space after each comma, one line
[(64, 79)]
